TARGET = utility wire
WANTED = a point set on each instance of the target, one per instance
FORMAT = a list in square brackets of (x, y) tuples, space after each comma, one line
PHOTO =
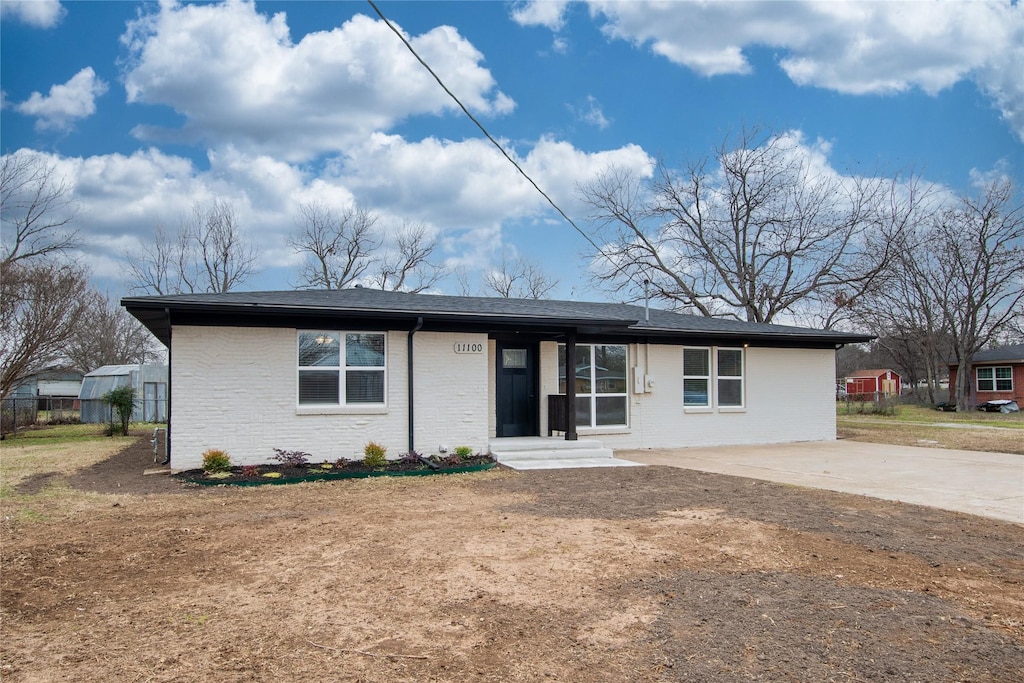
[(484, 131)]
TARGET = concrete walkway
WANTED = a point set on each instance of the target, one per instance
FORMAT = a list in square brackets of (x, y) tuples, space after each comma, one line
[(986, 484)]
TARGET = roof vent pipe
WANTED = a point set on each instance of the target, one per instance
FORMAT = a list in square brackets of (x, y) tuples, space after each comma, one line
[(647, 302)]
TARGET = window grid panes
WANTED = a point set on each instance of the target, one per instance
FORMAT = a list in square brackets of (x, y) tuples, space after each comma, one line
[(600, 381), (995, 378), (325, 380)]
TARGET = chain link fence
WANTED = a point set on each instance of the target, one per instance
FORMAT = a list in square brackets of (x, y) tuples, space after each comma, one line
[(869, 403), (68, 416)]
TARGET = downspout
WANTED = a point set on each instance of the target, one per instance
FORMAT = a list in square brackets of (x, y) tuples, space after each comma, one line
[(167, 439), (409, 369)]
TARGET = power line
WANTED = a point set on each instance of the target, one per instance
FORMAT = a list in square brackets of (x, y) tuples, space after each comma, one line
[(484, 130)]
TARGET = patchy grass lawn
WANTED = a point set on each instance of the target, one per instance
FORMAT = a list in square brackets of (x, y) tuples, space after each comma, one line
[(920, 426), (651, 574)]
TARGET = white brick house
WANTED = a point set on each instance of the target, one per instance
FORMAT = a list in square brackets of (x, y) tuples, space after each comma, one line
[(327, 371)]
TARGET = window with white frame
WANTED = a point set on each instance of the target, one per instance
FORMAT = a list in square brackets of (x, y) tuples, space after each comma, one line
[(995, 378), (715, 368), (696, 378), (730, 378), (600, 380), (341, 368)]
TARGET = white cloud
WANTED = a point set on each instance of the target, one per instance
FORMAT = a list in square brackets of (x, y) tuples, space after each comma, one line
[(461, 185), (66, 102), (38, 13), (238, 78), (547, 13), (851, 47), (592, 113), (464, 192)]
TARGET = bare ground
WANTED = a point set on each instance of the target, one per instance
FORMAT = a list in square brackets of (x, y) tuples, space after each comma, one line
[(619, 574)]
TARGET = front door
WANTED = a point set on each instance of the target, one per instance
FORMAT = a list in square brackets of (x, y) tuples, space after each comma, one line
[(516, 390)]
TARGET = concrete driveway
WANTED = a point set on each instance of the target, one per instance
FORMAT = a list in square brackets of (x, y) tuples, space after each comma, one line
[(986, 484)]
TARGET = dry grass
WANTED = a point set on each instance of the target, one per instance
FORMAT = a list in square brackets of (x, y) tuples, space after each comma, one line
[(918, 426)]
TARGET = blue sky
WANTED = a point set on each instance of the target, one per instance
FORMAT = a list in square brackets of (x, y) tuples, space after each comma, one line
[(148, 108)]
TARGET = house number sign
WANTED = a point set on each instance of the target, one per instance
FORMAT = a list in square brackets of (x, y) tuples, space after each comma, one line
[(467, 347)]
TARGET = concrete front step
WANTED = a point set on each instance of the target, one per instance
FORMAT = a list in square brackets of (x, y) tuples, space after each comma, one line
[(535, 443), (554, 454), (565, 463), (547, 453)]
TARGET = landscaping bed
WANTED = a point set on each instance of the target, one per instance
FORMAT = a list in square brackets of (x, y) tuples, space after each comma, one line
[(259, 475)]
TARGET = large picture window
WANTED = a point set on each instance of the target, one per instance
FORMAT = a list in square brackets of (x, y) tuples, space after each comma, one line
[(341, 368), (600, 380), (995, 379)]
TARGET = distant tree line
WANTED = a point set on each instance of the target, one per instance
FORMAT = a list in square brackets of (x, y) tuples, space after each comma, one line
[(759, 232)]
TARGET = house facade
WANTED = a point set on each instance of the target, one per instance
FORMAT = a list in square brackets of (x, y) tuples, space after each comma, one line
[(326, 372), (996, 374)]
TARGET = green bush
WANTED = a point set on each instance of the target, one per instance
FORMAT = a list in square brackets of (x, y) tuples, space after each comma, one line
[(464, 451), (216, 461), (375, 455), (122, 403)]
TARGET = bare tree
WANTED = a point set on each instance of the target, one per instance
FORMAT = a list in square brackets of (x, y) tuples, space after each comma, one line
[(36, 208), (155, 269), (755, 233), (109, 335), (408, 267), (337, 246), (518, 278), (970, 259), (209, 253), (224, 258), (42, 304)]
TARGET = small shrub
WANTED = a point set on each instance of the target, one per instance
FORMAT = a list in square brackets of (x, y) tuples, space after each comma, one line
[(291, 458), (375, 455), (464, 451), (250, 471), (411, 458), (272, 475), (121, 402), (452, 460), (218, 475), (341, 463), (216, 461)]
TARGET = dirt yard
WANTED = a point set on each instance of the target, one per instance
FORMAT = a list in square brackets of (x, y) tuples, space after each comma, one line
[(631, 574)]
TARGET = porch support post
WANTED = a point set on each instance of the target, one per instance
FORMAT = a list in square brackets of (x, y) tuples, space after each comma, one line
[(570, 387)]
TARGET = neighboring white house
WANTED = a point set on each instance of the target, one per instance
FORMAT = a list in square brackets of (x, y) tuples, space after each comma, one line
[(327, 371)]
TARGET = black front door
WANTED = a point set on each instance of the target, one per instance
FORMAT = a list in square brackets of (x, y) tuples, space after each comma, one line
[(516, 389)]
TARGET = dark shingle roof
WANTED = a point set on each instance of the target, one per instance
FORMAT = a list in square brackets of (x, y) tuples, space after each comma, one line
[(454, 310), (1014, 354)]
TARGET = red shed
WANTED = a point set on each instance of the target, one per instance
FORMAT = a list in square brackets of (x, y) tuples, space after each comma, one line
[(871, 381)]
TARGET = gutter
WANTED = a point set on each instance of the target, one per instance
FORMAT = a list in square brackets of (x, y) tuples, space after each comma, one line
[(409, 369)]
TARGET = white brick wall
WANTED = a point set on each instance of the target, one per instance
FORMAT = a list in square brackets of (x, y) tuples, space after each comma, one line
[(789, 396), (236, 389)]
